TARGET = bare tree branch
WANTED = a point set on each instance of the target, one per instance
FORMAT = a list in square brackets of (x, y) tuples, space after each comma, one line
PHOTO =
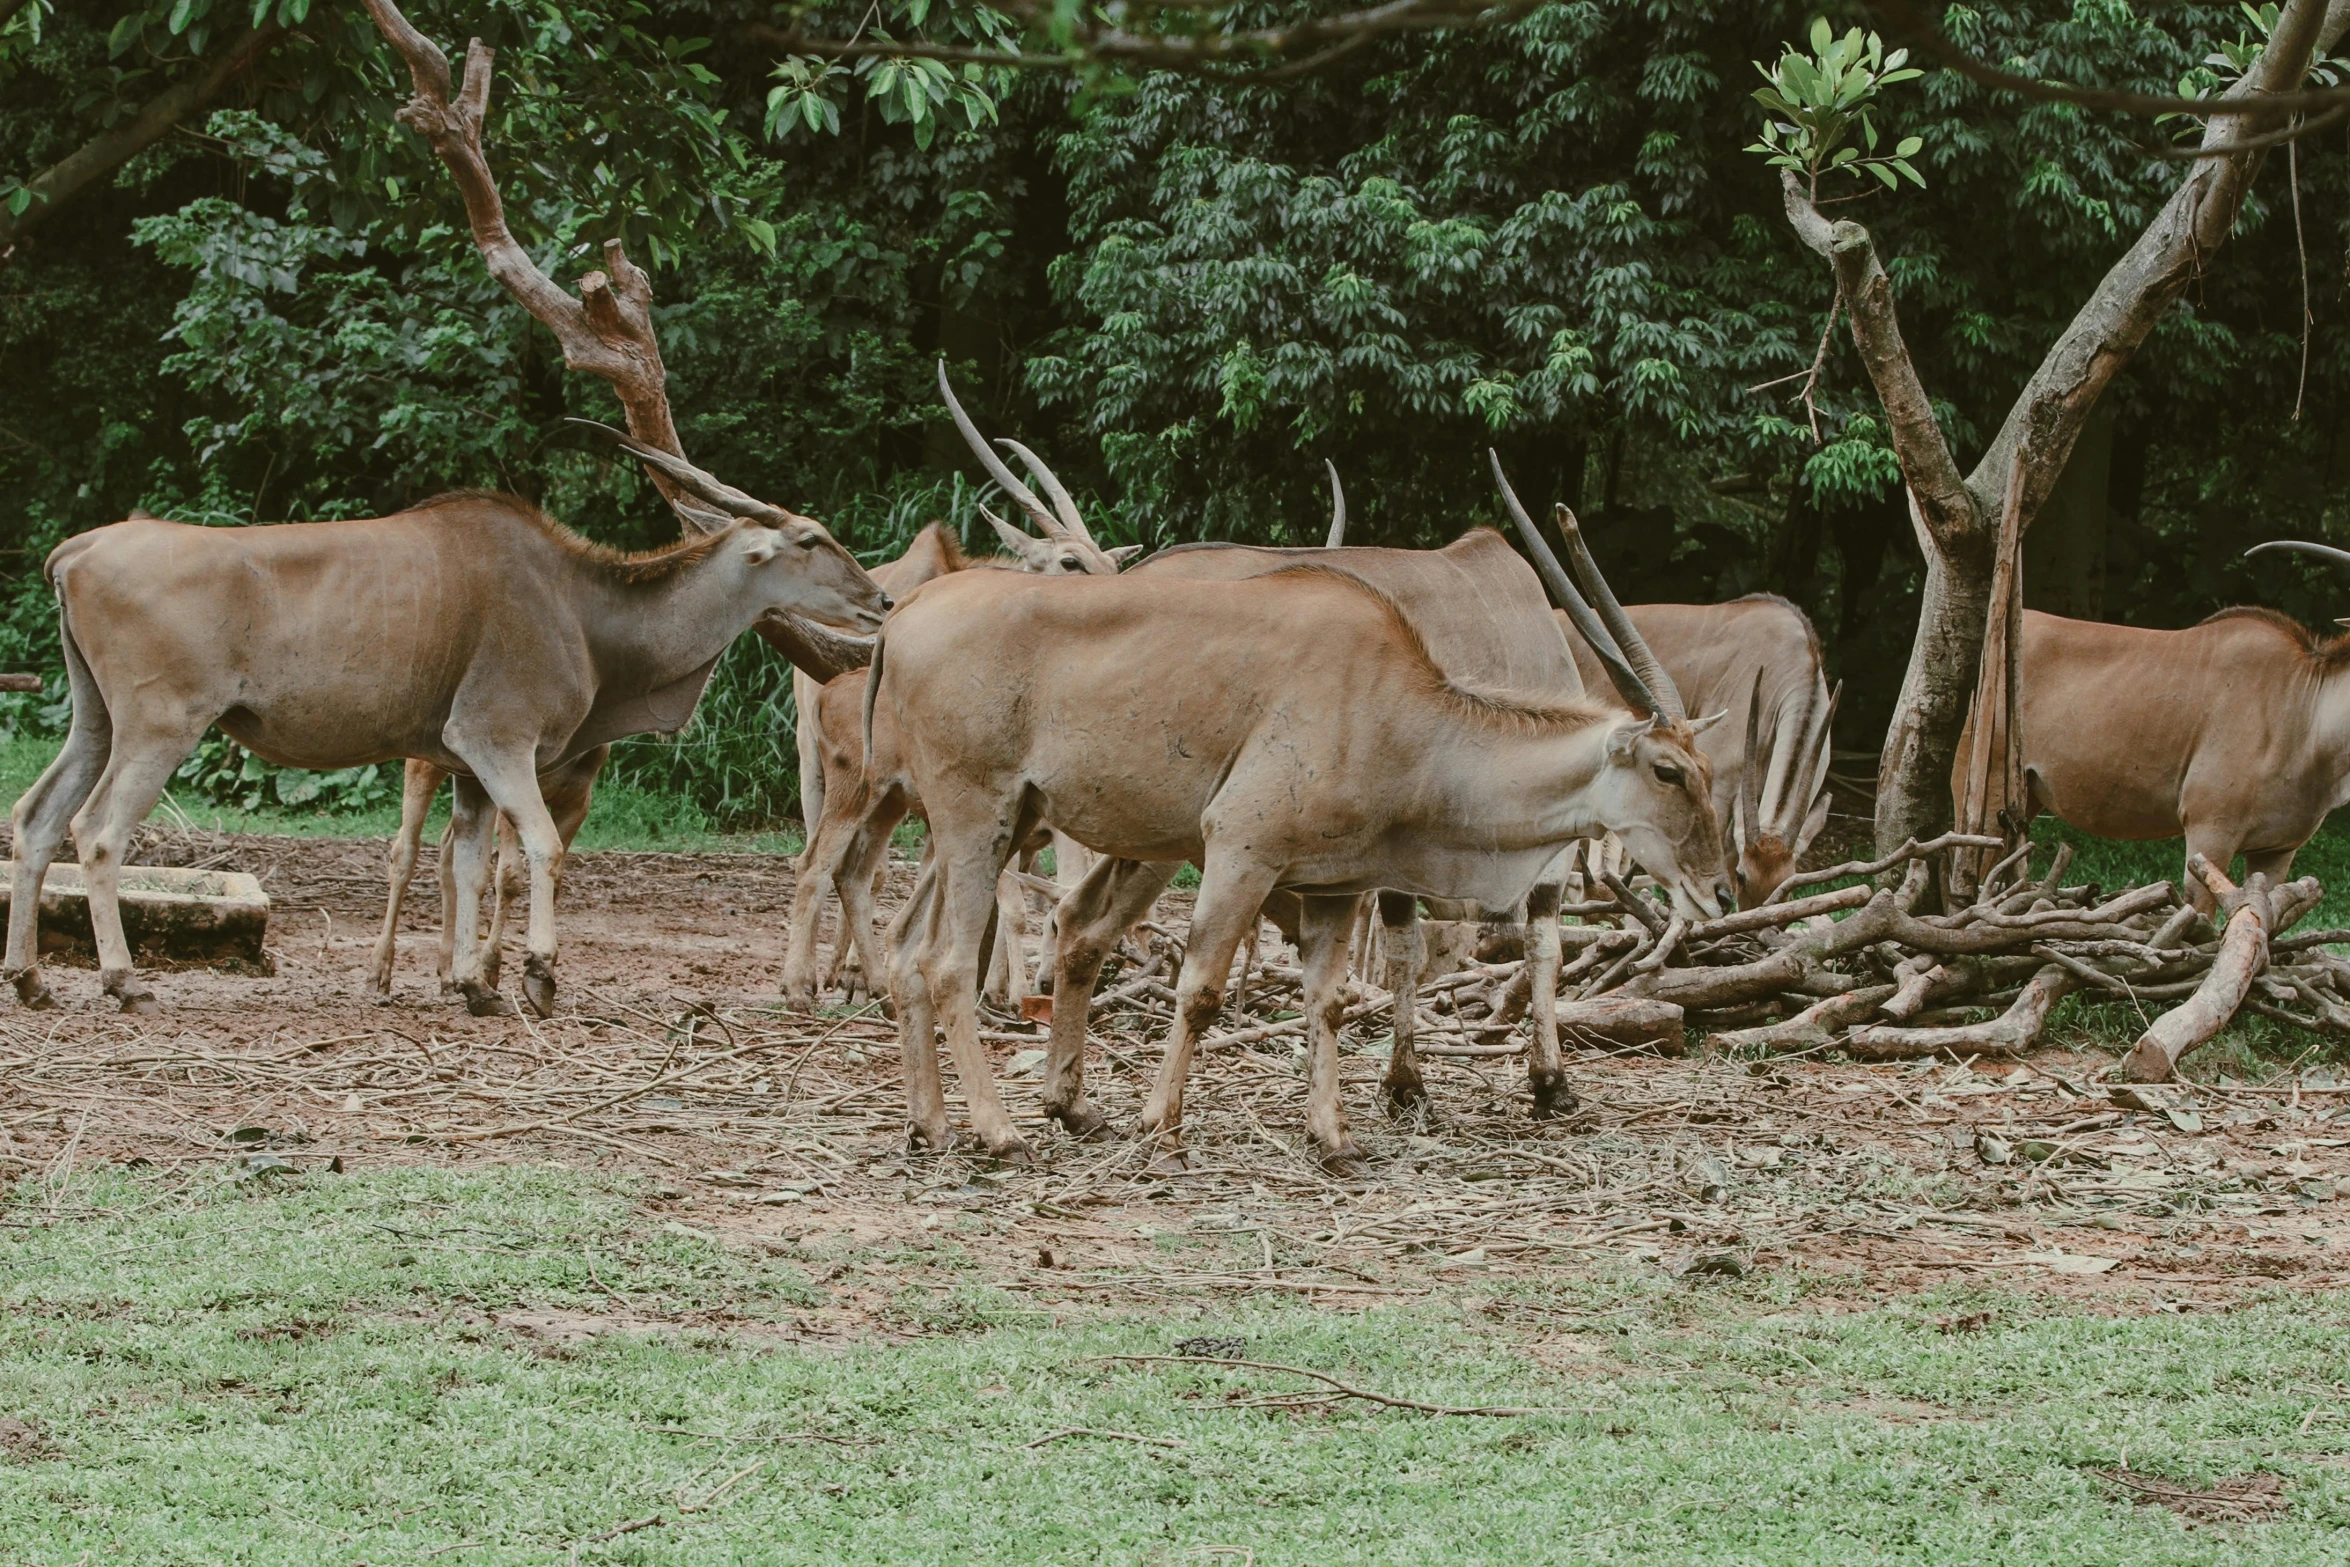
[(1912, 27), (1926, 462), (2135, 292), (54, 186), (607, 331)]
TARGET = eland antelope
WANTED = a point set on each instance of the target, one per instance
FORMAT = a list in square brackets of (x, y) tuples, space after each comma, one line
[(1290, 730), (2234, 733), (472, 632)]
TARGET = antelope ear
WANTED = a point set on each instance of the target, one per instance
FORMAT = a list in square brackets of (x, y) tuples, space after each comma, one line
[(1812, 823), (1123, 553), (760, 545), (1698, 726), (1624, 737), (1020, 544)]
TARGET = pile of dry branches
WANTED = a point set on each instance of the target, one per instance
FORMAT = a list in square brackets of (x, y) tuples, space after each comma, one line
[(1885, 983), (1857, 969)]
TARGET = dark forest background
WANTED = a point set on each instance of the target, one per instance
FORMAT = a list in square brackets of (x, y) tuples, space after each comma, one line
[(1186, 293)]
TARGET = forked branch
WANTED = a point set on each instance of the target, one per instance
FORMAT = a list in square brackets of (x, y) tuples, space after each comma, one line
[(607, 330)]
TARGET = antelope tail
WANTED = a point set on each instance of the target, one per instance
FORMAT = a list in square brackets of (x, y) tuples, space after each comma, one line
[(872, 692)]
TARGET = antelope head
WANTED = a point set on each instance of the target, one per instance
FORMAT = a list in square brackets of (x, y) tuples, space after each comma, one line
[(804, 570), (1067, 548), (1656, 792), (1783, 798)]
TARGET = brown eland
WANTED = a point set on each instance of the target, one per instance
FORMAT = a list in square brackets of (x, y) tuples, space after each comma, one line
[(472, 632), (1284, 731)]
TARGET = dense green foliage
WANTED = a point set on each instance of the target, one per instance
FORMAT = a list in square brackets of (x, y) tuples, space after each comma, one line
[(1545, 237)]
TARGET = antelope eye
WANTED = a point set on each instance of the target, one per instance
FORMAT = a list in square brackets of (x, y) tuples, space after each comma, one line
[(807, 541), (1071, 564), (1671, 777)]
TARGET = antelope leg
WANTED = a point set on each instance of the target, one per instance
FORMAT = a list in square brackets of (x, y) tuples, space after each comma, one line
[(133, 780), (1091, 917), (506, 886), (1545, 1073), (567, 792), (465, 855), (2215, 844), (910, 936), (857, 878), (968, 864), (829, 846), (40, 819), (446, 949), (419, 782), (1323, 933), (1230, 892), (1399, 914), (1012, 938), (513, 783)]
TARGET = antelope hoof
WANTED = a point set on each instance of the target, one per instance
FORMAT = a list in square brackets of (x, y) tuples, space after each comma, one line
[(483, 1000), (124, 986), (936, 1136), (1170, 1161), (1013, 1149), (1344, 1160), (1553, 1098), (33, 991), (1081, 1121), (538, 984), (1406, 1095)]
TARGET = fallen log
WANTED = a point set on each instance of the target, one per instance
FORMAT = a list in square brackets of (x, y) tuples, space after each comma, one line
[(1811, 1029), (1621, 1023), (2243, 953), (2011, 1033)]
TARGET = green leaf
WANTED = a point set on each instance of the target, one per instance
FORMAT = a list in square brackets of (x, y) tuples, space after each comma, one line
[(1882, 173), (1890, 77), (1909, 146), (1822, 35), (182, 13), (1915, 177), (125, 33)]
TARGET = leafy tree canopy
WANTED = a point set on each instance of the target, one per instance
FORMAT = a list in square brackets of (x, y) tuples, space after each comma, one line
[(1544, 235)]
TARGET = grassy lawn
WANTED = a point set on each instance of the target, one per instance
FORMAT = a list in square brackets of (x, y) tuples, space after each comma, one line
[(313, 1369)]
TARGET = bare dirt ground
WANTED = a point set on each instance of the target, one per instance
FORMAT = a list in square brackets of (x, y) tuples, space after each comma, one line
[(671, 1057)]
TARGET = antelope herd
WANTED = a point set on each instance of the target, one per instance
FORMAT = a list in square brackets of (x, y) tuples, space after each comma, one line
[(1334, 736)]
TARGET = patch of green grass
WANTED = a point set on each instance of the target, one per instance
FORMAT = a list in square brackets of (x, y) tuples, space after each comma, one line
[(622, 817), (2113, 863), (311, 1372)]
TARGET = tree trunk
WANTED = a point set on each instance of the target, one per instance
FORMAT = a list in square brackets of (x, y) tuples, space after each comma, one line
[(1921, 745)]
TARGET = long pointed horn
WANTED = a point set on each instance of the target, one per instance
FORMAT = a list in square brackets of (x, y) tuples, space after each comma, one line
[(1628, 684), (1636, 650), (716, 491), (994, 465), (1063, 506), (1337, 508), (1750, 780), (2322, 551)]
